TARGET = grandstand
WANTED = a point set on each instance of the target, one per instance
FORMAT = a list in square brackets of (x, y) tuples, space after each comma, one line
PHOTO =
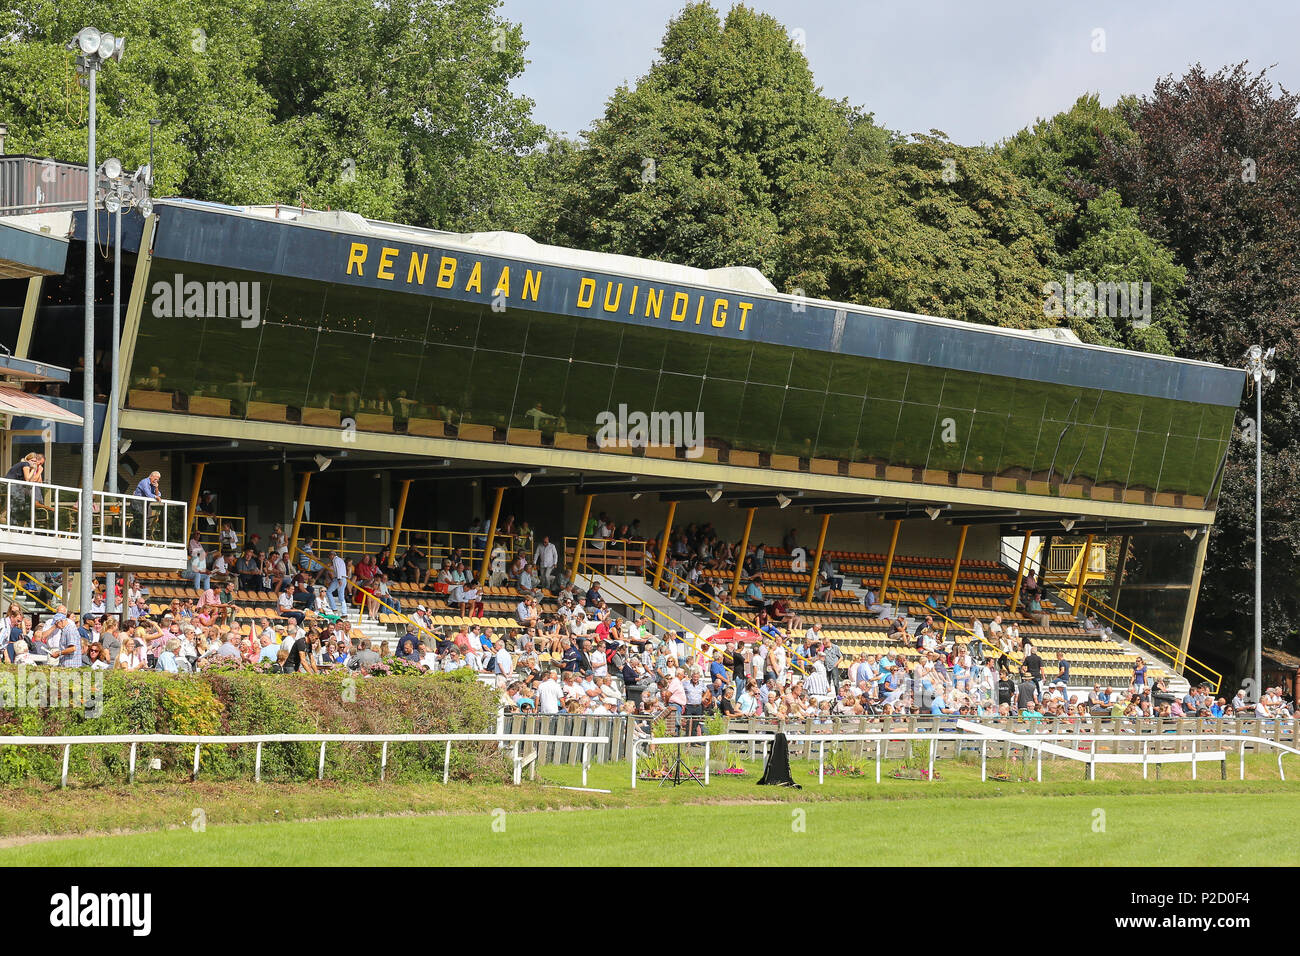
[(393, 384)]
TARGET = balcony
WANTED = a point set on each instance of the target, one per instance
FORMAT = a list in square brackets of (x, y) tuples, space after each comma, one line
[(40, 527)]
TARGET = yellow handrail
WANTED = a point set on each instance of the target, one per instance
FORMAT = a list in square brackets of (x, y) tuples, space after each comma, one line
[(908, 596), (720, 616), (1158, 645), (378, 600), (1181, 661), (18, 587), (645, 608)]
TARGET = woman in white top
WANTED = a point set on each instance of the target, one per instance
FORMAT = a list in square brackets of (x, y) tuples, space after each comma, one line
[(127, 658)]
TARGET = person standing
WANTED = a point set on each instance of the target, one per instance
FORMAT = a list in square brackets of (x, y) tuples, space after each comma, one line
[(337, 592), (62, 639)]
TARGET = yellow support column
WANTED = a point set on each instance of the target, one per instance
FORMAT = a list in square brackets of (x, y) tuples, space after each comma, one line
[(663, 541), (1020, 572), (1083, 575), (889, 563), (956, 567), (582, 531), (740, 557), (397, 519), (297, 515), (195, 488), (812, 571), (492, 535)]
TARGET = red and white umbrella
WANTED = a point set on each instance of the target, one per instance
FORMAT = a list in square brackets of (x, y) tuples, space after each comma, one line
[(733, 634)]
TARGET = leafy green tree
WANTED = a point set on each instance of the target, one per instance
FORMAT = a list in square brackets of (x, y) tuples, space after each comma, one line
[(931, 227), (400, 110), (1116, 249), (1215, 170), (697, 162)]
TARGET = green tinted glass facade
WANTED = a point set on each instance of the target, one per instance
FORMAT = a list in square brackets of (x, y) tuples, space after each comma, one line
[(363, 350)]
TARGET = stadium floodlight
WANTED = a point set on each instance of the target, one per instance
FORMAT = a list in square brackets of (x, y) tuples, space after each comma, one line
[(933, 512), (124, 446), (1256, 357), (782, 501), (715, 494), (112, 169), (1067, 524), (636, 495), (94, 49), (146, 206), (523, 477), (1191, 533), (112, 203), (88, 41), (322, 462)]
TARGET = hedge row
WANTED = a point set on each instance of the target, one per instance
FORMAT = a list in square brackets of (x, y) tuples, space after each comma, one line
[(244, 702)]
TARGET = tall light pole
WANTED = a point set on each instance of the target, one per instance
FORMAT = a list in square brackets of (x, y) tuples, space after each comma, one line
[(1255, 359), (95, 50), (119, 195)]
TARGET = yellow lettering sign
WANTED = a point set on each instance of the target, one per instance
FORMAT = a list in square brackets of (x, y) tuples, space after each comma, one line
[(683, 300), (532, 284), (419, 265), (357, 256), (475, 282), (386, 257), (719, 320), (618, 296), (586, 293), (654, 302), (446, 272)]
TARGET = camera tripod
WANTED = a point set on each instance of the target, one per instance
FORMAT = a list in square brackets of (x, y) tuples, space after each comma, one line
[(680, 772)]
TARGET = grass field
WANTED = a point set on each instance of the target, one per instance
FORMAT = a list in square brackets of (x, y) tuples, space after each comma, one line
[(957, 820)]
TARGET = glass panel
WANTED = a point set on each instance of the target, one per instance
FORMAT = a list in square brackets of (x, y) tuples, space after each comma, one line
[(800, 416)]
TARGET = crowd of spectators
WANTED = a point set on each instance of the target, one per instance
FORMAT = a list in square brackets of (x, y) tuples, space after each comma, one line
[(570, 651)]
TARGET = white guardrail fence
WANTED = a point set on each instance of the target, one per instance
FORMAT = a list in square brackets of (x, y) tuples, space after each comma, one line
[(1082, 748), (1090, 756)]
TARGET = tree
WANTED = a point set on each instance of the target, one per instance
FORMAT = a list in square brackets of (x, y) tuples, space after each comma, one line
[(400, 110), (930, 227), (1215, 169), (697, 162)]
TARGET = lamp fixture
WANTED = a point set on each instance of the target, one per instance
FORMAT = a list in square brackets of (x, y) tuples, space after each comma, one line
[(322, 462)]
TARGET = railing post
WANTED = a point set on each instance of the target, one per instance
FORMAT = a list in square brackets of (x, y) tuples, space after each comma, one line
[(817, 560), (320, 763), (491, 536), (931, 777), (197, 748), (63, 778), (383, 760), (1020, 571), (446, 763), (257, 764), (984, 753), (889, 564), (663, 540), (740, 557)]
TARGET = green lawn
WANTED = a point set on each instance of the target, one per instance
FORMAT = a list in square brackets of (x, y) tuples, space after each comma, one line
[(1209, 829)]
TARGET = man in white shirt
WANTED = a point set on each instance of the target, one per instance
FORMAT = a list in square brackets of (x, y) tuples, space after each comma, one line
[(546, 558), (337, 589), (549, 694), (505, 663)]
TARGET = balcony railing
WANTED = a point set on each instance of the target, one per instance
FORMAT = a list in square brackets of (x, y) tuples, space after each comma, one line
[(54, 511)]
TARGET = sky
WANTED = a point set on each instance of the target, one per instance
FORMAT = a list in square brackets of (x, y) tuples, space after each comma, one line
[(978, 71)]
